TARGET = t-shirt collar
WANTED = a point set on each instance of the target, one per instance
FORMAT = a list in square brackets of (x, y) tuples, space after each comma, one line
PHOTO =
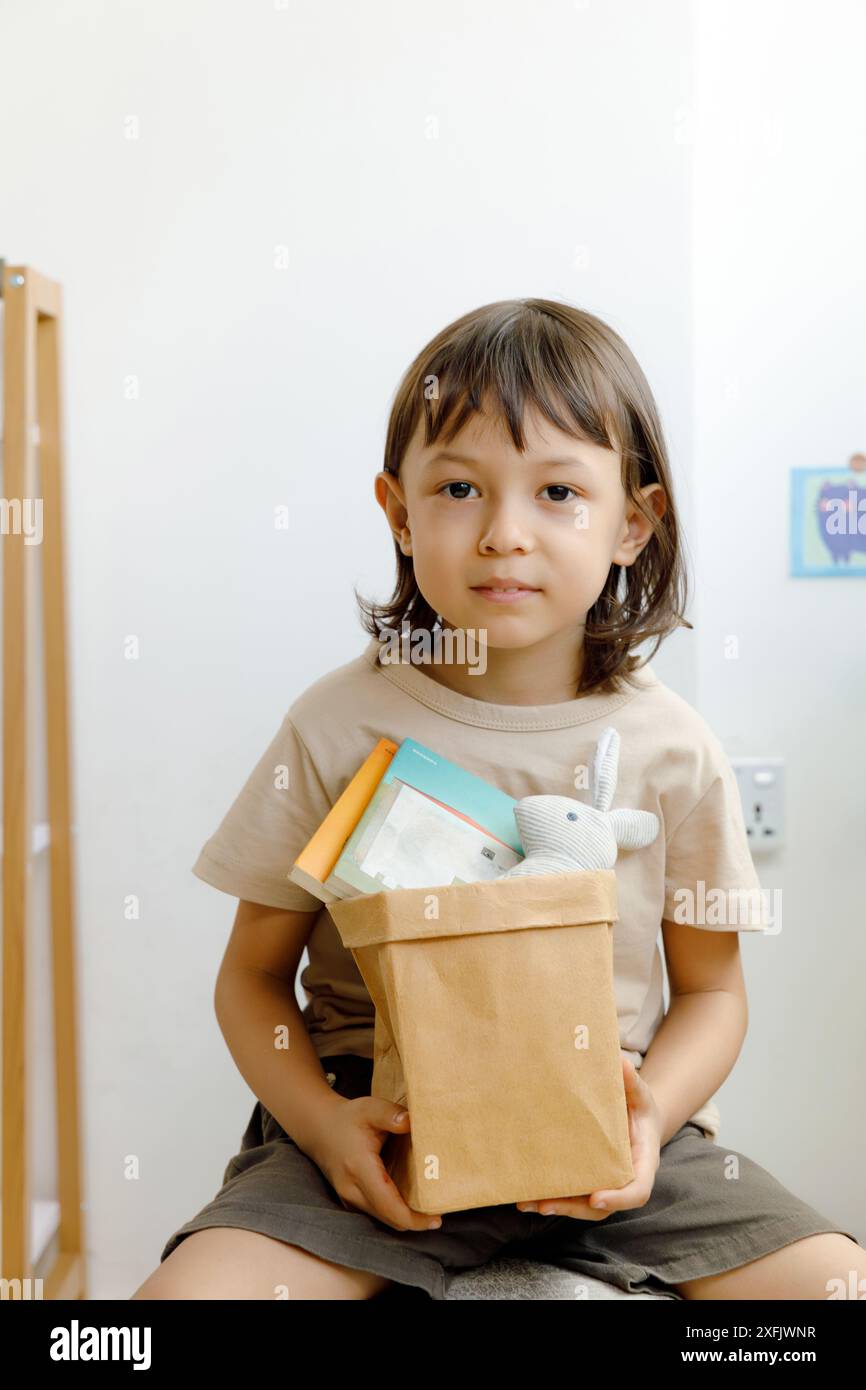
[(583, 709)]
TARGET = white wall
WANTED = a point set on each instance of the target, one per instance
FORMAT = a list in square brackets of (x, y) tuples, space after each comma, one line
[(780, 382), (560, 166)]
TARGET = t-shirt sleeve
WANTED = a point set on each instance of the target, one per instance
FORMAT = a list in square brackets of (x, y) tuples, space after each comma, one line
[(710, 879), (278, 809)]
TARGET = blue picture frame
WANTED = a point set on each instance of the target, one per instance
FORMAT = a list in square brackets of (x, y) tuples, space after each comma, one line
[(828, 523)]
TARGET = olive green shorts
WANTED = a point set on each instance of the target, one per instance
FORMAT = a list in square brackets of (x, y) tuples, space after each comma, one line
[(699, 1220)]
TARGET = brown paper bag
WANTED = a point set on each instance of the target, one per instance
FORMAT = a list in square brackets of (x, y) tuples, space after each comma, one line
[(496, 1027)]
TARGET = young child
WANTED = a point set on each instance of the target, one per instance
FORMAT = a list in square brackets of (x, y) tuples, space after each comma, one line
[(528, 491)]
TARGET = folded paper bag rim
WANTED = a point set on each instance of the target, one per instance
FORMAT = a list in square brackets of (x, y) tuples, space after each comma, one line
[(577, 897)]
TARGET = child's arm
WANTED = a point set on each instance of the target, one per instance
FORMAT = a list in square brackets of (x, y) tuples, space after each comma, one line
[(700, 1037), (255, 1004), (253, 998)]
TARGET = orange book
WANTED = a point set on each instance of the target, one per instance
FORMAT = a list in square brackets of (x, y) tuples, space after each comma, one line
[(318, 857)]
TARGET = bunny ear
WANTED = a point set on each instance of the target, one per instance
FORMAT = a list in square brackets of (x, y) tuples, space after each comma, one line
[(604, 769), (634, 829)]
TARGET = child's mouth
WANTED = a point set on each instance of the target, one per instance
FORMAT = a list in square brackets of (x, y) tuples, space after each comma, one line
[(505, 595)]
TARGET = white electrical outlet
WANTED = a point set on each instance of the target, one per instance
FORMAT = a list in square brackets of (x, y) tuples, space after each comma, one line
[(762, 792)]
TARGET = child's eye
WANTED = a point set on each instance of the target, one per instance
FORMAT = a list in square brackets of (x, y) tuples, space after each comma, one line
[(447, 485), (560, 487)]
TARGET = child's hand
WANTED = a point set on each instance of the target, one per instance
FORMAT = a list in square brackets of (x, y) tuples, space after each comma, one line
[(644, 1125), (348, 1153)]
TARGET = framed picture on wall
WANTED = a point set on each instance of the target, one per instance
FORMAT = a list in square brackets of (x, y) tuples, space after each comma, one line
[(828, 521)]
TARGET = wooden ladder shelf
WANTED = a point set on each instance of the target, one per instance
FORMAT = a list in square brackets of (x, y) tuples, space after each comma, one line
[(31, 413)]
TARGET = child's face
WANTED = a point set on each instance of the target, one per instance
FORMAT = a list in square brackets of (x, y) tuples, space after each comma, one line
[(556, 527)]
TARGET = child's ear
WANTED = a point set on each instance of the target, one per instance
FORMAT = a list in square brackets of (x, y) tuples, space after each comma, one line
[(389, 495), (637, 529)]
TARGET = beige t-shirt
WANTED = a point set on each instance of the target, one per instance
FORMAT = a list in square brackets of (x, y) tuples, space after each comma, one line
[(670, 762)]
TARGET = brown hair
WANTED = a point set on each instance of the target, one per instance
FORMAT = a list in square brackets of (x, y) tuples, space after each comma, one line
[(585, 380)]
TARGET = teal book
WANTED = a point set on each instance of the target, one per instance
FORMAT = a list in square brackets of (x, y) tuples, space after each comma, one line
[(429, 823)]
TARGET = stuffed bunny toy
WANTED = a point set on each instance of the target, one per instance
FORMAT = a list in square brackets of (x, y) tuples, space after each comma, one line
[(560, 834)]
